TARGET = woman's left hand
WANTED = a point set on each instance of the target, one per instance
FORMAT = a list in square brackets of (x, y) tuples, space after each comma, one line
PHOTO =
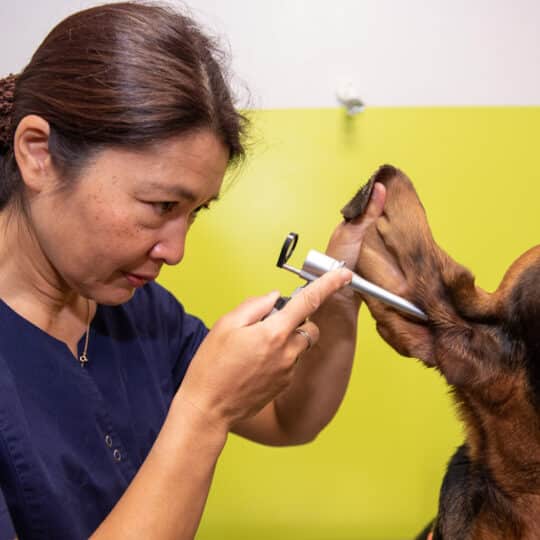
[(346, 240), (309, 402)]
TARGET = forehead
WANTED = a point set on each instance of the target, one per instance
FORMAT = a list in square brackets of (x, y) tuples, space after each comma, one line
[(190, 166)]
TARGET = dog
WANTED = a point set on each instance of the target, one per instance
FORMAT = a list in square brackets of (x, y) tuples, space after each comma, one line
[(487, 346)]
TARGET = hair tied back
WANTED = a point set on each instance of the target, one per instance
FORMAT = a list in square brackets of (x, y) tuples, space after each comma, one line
[(7, 95)]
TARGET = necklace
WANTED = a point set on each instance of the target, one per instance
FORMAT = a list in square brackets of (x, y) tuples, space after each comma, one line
[(83, 359)]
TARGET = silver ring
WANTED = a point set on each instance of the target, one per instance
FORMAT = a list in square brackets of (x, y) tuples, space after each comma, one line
[(302, 332)]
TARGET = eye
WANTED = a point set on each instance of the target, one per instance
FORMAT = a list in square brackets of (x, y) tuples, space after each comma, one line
[(164, 207)]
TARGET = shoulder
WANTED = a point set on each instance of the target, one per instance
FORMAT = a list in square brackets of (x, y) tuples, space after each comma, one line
[(158, 313)]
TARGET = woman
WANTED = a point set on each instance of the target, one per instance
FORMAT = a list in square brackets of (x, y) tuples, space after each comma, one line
[(114, 403)]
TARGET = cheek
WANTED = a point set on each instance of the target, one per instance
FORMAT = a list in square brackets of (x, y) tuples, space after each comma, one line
[(98, 239), (117, 233)]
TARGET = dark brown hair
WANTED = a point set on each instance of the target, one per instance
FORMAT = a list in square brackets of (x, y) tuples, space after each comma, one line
[(126, 75)]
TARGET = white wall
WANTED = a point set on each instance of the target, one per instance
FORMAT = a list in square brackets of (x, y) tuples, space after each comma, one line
[(296, 53)]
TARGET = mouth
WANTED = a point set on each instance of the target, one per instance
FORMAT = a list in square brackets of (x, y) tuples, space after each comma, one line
[(138, 280)]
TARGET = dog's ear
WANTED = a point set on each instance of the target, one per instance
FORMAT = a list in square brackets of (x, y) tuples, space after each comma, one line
[(470, 355), (379, 265), (466, 352), (470, 345), (400, 254)]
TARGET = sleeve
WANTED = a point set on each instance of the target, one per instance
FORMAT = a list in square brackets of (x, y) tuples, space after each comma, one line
[(189, 334)]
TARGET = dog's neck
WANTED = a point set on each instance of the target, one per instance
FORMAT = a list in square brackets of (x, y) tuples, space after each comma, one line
[(504, 434), (503, 440)]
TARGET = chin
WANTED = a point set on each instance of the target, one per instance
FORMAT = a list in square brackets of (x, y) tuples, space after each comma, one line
[(112, 296)]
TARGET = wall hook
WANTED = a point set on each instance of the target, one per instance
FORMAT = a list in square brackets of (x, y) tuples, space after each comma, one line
[(349, 97)]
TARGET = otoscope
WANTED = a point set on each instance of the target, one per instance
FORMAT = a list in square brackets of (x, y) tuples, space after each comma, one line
[(316, 264)]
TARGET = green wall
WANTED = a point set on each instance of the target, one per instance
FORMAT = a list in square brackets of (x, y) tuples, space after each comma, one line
[(374, 473)]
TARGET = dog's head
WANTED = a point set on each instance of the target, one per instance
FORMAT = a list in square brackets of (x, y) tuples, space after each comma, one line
[(477, 340)]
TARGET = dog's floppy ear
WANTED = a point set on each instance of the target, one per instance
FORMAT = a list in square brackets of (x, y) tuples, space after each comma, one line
[(467, 351), (470, 355), (400, 254)]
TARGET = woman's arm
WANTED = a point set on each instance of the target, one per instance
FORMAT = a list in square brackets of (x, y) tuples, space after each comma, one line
[(168, 494), (242, 364), (321, 376)]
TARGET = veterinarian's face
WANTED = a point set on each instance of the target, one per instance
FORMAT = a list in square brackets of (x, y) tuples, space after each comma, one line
[(128, 214)]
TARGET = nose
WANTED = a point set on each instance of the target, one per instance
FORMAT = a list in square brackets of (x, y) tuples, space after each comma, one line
[(169, 247)]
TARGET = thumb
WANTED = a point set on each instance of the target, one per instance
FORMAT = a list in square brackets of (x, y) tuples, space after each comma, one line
[(374, 208)]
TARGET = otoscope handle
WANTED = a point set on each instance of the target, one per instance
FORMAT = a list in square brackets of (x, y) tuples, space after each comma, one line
[(318, 263), (281, 302)]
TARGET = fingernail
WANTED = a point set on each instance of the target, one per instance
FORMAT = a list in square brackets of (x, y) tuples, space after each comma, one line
[(346, 274)]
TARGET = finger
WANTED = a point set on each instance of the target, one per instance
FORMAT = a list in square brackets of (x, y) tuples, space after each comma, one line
[(304, 337), (307, 301), (347, 238), (251, 310), (374, 208)]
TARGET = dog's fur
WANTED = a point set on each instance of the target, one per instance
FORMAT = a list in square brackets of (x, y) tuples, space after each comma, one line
[(487, 346)]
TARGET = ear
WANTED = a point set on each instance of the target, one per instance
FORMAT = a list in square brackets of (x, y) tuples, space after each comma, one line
[(469, 355), (31, 147)]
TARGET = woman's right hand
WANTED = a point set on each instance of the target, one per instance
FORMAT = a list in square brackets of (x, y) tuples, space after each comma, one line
[(245, 361)]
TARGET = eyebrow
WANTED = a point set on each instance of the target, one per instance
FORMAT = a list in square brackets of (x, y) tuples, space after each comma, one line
[(177, 191)]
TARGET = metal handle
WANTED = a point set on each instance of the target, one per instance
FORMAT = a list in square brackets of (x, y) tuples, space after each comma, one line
[(317, 263)]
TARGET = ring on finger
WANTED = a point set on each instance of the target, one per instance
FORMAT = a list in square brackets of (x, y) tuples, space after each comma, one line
[(306, 335)]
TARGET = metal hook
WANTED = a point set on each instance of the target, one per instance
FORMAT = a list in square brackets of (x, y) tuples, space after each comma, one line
[(287, 249)]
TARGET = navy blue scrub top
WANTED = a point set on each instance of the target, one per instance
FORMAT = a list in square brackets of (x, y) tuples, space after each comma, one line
[(73, 438)]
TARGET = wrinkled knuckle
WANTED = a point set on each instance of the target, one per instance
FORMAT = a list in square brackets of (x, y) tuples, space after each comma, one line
[(274, 338), (290, 359), (312, 299), (288, 369)]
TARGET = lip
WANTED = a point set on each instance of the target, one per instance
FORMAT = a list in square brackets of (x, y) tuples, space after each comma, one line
[(138, 280)]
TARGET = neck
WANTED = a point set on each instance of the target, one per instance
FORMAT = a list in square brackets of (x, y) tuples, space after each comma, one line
[(504, 475), (505, 438), (31, 286)]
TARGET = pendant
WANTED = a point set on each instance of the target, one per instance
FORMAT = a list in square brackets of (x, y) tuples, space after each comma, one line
[(83, 359)]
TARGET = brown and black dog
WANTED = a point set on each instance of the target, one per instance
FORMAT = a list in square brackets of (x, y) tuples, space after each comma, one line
[(487, 346)]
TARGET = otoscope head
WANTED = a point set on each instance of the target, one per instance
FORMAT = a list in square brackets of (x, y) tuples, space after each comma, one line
[(318, 263)]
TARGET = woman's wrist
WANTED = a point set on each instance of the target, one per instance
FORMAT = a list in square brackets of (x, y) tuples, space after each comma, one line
[(205, 426)]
